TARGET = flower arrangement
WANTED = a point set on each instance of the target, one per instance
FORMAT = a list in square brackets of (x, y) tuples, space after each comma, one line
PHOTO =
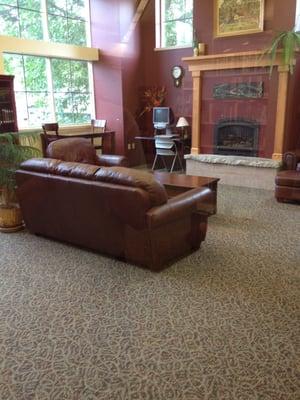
[(153, 97)]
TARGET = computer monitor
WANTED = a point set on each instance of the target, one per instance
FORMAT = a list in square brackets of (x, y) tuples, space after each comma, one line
[(161, 117)]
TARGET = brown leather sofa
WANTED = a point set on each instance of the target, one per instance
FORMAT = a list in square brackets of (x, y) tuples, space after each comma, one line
[(117, 211), (287, 181)]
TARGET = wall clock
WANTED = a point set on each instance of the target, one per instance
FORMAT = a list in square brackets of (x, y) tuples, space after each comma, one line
[(177, 74)]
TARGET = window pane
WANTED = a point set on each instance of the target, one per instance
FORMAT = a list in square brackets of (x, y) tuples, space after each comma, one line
[(58, 29), (30, 4), (22, 113), (81, 108), (77, 33), (38, 108), (9, 23), (174, 9), (13, 65), (178, 33), (64, 108), (57, 7), (31, 24), (35, 73), (189, 6), (80, 76), (61, 75), (76, 9), (10, 3)]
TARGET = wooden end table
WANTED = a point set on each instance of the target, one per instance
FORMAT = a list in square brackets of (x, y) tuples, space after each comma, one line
[(179, 183)]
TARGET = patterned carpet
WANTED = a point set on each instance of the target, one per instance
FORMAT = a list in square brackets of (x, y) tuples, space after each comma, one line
[(220, 324)]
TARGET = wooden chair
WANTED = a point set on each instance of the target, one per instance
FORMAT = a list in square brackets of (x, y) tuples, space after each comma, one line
[(48, 128), (99, 125), (50, 133)]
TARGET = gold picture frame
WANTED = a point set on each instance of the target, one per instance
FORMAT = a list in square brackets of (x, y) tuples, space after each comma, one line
[(238, 17)]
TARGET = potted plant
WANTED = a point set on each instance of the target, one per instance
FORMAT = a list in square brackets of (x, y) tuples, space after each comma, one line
[(12, 153), (289, 43)]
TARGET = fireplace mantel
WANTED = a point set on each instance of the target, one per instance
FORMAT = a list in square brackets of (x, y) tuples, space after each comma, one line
[(226, 61)]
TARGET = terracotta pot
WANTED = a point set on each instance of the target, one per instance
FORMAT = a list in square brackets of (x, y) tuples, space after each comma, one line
[(11, 219)]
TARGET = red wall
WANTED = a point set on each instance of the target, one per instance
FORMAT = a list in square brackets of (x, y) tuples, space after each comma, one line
[(125, 69), (156, 67), (116, 75)]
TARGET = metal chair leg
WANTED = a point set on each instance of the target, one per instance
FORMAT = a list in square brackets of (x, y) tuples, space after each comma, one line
[(173, 164), (153, 165)]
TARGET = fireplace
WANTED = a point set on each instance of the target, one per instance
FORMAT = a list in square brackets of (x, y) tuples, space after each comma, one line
[(236, 137)]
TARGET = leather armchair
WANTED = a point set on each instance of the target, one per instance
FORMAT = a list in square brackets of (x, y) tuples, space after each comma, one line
[(81, 150), (287, 181)]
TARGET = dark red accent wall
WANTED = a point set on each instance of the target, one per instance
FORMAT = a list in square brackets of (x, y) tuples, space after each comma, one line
[(125, 69), (114, 85), (157, 65)]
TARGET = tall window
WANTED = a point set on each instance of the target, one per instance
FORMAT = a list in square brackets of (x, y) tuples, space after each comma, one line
[(174, 23), (63, 21), (49, 90)]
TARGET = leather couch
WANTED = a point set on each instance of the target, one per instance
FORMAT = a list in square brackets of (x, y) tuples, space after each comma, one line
[(117, 211), (287, 181)]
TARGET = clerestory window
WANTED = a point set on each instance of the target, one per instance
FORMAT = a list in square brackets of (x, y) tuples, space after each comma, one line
[(62, 21), (174, 23)]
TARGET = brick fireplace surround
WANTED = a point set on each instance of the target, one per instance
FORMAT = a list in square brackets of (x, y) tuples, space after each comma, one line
[(250, 64)]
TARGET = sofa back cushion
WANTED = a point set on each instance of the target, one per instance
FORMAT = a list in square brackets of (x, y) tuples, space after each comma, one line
[(114, 175), (58, 167), (134, 178), (74, 150)]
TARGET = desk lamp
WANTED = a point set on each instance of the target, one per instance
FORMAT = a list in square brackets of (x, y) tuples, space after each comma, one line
[(182, 123)]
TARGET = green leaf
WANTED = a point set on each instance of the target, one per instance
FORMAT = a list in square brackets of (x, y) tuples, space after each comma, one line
[(12, 154)]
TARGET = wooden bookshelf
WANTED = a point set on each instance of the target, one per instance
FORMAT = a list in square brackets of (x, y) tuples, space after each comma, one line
[(8, 114)]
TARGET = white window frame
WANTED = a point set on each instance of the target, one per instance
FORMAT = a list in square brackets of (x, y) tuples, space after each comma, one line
[(297, 19), (159, 29)]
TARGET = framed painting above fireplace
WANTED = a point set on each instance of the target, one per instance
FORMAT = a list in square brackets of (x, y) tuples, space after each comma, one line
[(236, 17)]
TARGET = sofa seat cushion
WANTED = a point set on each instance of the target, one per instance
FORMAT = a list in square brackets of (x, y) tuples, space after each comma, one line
[(135, 178), (74, 150), (288, 178), (63, 168)]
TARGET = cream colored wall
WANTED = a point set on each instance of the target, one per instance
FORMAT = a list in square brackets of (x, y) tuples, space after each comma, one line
[(42, 48)]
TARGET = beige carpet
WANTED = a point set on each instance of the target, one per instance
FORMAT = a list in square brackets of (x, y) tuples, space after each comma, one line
[(220, 324)]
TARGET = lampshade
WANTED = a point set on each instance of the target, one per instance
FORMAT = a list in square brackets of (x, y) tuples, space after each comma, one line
[(182, 122)]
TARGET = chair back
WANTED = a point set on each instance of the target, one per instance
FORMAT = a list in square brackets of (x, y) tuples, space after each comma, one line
[(99, 125), (51, 127), (165, 146)]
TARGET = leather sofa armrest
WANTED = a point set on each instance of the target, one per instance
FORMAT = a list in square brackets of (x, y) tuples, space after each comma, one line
[(179, 206), (109, 160), (291, 159)]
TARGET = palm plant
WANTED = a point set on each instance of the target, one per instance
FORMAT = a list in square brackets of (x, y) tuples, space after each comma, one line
[(12, 153), (289, 43)]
